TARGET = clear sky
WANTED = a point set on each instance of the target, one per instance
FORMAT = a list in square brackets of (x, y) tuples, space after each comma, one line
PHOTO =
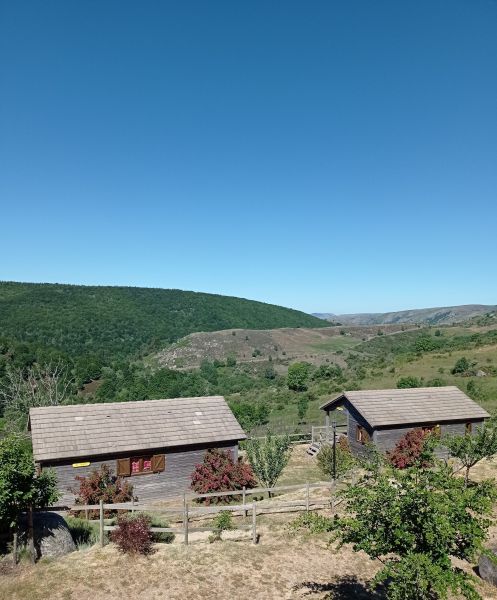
[(324, 155)]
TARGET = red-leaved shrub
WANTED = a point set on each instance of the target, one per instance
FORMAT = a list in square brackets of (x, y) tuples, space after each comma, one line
[(133, 535), (220, 473), (101, 484), (408, 449)]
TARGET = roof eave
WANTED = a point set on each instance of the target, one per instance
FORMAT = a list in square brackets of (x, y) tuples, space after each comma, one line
[(327, 405)]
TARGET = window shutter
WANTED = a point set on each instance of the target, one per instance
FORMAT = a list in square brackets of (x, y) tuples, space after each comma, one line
[(123, 467), (158, 462)]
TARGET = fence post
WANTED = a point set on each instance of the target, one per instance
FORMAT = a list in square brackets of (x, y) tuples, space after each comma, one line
[(101, 523), (185, 519), (254, 523), (307, 497), (243, 497), (14, 547), (31, 542)]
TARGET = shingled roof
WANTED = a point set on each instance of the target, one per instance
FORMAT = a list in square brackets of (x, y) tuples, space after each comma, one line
[(381, 408), (82, 430)]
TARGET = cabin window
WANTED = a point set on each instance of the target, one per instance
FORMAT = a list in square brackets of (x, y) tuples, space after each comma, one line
[(361, 435), (139, 465), (469, 428)]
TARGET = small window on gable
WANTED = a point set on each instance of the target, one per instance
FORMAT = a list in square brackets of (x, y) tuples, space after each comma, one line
[(469, 428)]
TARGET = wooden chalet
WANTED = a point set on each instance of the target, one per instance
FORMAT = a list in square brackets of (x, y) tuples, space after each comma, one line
[(156, 443), (383, 417)]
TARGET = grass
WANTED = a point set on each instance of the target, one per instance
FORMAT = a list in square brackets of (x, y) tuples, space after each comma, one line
[(334, 344)]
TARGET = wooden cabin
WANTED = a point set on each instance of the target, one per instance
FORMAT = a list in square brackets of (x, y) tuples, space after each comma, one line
[(154, 443), (383, 417)]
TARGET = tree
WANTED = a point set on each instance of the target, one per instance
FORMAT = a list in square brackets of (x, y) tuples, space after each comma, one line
[(470, 449), (298, 375), (415, 520), (344, 459), (20, 488), (220, 473), (268, 457), (38, 385), (302, 407)]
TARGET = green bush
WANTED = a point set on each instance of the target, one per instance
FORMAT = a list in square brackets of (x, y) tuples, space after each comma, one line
[(344, 459), (84, 533)]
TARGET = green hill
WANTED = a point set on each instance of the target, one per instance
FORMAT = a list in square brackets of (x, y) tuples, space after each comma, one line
[(124, 321)]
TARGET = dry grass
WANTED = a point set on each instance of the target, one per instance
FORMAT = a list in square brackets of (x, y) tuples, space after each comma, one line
[(276, 568), (282, 566)]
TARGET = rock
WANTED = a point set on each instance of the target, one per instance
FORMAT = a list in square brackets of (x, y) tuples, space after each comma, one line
[(481, 373), (51, 534), (487, 567)]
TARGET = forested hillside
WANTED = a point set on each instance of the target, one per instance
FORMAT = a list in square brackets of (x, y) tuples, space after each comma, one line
[(118, 322)]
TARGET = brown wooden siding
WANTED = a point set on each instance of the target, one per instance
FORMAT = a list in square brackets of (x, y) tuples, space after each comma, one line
[(171, 482)]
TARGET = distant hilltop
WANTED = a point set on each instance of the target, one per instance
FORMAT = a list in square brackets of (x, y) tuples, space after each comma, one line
[(444, 315)]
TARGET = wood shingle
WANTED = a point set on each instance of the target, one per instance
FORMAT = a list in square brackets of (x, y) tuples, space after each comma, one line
[(82, 430), (383, 408)]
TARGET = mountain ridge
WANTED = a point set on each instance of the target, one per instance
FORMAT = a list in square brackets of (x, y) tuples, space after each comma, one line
[(440, 315)]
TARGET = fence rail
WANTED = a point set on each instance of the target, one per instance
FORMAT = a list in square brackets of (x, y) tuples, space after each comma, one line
[(187, 512)]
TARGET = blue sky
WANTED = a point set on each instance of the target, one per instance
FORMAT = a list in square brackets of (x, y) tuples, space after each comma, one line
[(329, 156)]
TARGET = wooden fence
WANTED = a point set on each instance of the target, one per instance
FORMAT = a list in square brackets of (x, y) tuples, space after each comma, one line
[(186, 512)]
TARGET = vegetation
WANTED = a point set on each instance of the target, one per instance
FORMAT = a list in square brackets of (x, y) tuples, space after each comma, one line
[(101, 484), (298, 375), (220, 473), (415, 520), (343, 459), (268, 457), (222, 522), (472, 448), (20, 487), (133, 534), (119, 322), (409, 450)]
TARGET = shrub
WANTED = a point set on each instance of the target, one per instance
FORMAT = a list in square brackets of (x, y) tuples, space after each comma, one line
[(158, 521), (298, 374), (462, 367), (101, 484), (133, 535), (222, 522), (344, 459), (408, 382), (219, 473), (408, 449), (83, 532)]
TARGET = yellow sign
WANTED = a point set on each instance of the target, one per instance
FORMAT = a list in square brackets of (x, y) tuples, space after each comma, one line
[(83, 464)]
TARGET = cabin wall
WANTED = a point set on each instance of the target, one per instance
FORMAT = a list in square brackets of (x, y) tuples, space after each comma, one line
[(353, 420), (173, 481), (386, 439)]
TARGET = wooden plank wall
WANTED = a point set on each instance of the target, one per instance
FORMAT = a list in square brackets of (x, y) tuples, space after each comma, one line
[(171, 482), (385, 439)]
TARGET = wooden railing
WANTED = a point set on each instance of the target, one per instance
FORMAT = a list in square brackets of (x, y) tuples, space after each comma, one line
[(187, 512)]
